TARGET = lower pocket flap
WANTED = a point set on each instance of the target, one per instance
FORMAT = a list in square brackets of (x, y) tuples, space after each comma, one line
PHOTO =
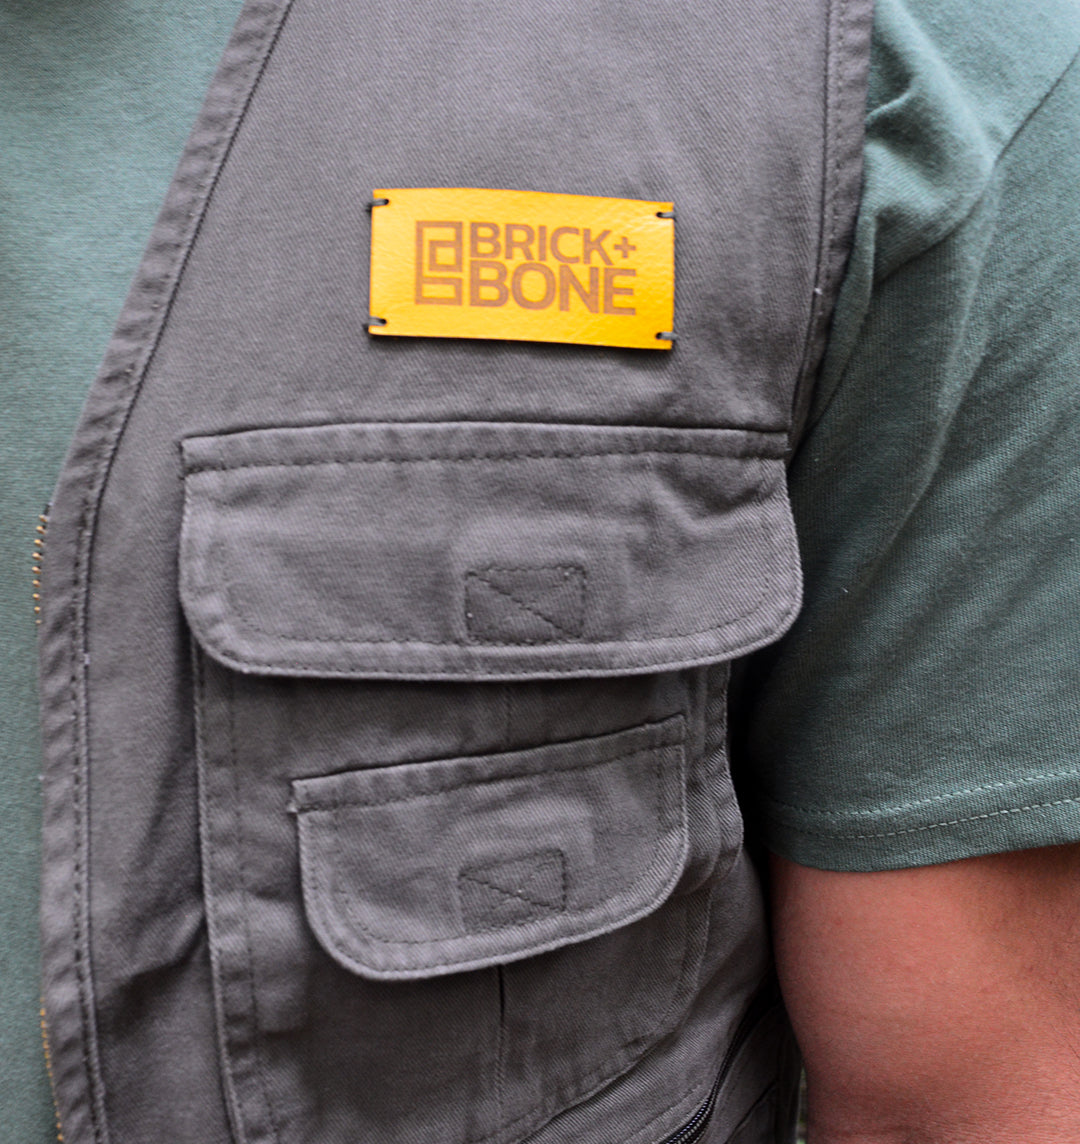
[(430, 868)]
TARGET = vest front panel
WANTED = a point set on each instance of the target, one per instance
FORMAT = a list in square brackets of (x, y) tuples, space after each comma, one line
[(384, 679)]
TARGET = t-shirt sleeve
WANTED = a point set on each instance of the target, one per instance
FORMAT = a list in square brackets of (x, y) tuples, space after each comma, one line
[(926, 705)]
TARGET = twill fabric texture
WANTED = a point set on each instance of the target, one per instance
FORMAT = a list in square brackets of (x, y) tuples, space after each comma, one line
[(384, 681)]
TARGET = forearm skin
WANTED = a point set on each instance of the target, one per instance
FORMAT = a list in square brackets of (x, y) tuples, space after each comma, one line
[(938, 1005)]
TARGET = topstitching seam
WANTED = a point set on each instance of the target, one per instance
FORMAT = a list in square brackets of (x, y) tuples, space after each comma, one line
[(206, 843), (518, 895), (568, 633), (544, 455), (241, 869), (307, 807), (826, 252), (80, 898), (936, 825), (929, 800)]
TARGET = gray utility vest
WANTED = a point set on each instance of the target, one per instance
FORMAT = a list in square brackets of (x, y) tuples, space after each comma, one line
[(387, 794)]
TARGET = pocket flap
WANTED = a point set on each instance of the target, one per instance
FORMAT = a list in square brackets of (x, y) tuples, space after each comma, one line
[(424, 869), (485, 551)]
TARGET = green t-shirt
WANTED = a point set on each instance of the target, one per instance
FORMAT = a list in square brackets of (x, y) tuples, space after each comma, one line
[(922, 708), (925, 706)]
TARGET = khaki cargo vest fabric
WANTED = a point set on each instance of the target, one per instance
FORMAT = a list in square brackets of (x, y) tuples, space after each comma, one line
[(385, 680)]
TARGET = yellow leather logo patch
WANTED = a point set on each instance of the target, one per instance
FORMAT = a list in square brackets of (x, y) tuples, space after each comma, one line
[(458, 262)]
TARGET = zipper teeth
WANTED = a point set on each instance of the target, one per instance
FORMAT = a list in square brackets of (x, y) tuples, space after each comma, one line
[(694, 1127), (49, 1069), (697, 1123), (39, 552), (692, 1130)]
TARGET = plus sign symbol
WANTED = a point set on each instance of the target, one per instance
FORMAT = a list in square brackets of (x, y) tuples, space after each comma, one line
[(624, 247)]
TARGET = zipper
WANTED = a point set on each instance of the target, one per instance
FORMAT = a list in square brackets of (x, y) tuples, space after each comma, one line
[(694, 1128), (49, 1069), (39, 552)]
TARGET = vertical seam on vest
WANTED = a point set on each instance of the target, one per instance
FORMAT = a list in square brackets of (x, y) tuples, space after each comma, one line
[(81, 902), (827, 226), (499, 1079), (199, 692), (256, 1029), (834, 102), (500, 1048), (848, 31), (602, 1074)]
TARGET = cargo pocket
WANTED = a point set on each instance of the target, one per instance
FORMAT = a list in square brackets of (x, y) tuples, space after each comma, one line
[(426, 868), (459, 813)]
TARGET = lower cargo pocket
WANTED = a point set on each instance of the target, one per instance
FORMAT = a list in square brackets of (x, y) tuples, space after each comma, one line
[(445, 950), (439, 867)]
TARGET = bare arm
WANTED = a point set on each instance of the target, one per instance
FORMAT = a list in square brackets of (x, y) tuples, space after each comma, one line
[(938, 1005)]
